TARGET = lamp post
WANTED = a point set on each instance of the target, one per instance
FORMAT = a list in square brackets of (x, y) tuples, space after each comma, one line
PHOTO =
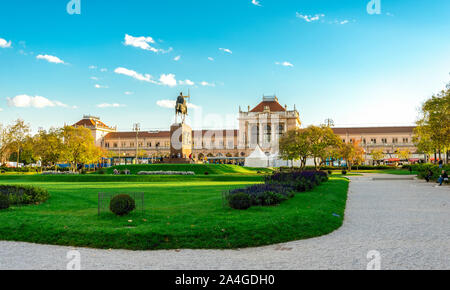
[(137, 128)]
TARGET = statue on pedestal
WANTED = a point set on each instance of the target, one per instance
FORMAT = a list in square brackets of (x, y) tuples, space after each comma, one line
[(181, 108)]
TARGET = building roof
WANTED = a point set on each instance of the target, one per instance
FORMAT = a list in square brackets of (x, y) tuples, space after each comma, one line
[(374, 130), (128, 135), (272, 103), (165, 134), (216, 132), (92, 122)]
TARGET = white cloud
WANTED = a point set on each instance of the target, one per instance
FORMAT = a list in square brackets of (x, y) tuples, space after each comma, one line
[(177, 58), (24, 101), (256, 2), (50, 58), (94, 78), (114, 105), (309, 18), (128, 93), (210, 58), (135, 75), (187, 83), (206, 84), (92, 67), (344, 22), (168, 80), (284, 63), (103, 70), (1, 109), (97, 86), (4, 43), (142, 42), (170, 104), (226, 50)]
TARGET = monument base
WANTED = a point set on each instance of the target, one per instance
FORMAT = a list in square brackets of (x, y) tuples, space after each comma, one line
[(180, 142)]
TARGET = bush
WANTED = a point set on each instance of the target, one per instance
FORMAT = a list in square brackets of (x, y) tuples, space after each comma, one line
[(18, 194), (4, 202), (423, 169), (344, 172), (240, 201), (330, 172), (122, 204), (206, 173)]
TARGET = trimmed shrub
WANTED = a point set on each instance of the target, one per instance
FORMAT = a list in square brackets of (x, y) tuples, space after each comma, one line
[(18, 194), (240, 201), (423, 169), (4, 202), (122, 204)]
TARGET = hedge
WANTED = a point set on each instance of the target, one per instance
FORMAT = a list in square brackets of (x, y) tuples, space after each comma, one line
[(422, 169), (20, 194)]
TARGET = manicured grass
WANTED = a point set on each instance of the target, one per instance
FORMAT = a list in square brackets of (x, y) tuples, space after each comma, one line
[(181, 213), (196, 168)]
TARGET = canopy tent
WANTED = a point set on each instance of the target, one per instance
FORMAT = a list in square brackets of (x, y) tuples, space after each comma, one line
[(276, 161), (257, 159)]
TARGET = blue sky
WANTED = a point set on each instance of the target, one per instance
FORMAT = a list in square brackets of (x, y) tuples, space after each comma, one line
[(331, 58)]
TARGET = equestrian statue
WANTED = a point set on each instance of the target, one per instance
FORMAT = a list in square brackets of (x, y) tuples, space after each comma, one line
[(181, 108)]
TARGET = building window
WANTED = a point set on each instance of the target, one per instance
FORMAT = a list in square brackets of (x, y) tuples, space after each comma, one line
[(115, 145), (405, 140), (131, 144), (267, 134), (149, 144), (384, 140), (364, 141), (123, 144), (281, 129), (373, 140), (394, 140), (107, 145)]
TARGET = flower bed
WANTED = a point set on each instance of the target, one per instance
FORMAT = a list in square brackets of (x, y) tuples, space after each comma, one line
[(59, 173), (277, 188), (166, 173)]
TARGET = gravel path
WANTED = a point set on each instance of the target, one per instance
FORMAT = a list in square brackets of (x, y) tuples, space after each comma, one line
[(406, 221)]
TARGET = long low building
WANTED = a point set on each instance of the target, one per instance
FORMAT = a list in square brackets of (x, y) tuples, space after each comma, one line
[(261, 125)]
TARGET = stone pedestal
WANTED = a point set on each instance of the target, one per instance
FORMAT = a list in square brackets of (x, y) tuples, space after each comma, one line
[(180, 141)]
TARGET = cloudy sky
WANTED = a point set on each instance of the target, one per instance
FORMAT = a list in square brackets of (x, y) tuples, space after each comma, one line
[(126, 61)]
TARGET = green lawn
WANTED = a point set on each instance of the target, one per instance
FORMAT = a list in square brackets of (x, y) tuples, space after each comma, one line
[(196, 168), (181, 212)]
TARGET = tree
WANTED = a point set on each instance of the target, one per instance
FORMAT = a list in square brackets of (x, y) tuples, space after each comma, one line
[(352, 153), (78, 145), (16, 136), (323, 144), (48, 146), (404, 154), (377, 155), (433, 127), (295, 145), (4, 149)]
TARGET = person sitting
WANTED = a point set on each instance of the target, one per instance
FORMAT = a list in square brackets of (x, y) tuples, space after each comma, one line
[(443, 177)]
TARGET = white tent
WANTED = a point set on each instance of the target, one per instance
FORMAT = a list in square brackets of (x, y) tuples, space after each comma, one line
[(275, 161), (257, 159)]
